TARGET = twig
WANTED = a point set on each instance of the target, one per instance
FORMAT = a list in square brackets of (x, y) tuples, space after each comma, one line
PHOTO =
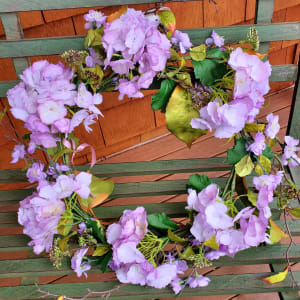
[(294, 281), (104, 294)]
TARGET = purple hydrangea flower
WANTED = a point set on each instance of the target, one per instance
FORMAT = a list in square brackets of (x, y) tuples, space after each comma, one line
[(93, 59), (289, 156), (77, 265), (266, 184), (64, 186), (182, 40), (129, 88), (94, 17), (198, 281), (258, 145), (273, 126), (18, 152), (82, 183), (40, 214), (227, 119), (36, 172), (218, 40)]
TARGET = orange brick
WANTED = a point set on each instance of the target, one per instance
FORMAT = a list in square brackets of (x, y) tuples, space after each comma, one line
[(28, 19), (160, 118), (58, 14), (128, 120), (154, 133), (194, 11), (292, 15), (225, 14), (7, 70), (280, 4)]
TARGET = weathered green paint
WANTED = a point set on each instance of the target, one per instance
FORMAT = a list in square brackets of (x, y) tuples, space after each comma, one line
[(13, 31), (9, 242), (43, 266), (242, 283), (21, 5), (264, 11), (48, 46), (279, 73)]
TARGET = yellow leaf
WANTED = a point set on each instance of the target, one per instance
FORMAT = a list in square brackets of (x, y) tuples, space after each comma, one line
[(179, 113), (100, 190), (295, 212), (188, 252), (277, 277), (63, 243), (252, 197), (101, 250), (117, 14), (266, 164), (272, 143), (276, 233), (175, 238), (253, 127), (245, 166), (61, 298), (98, 200), (212, 243), (198, 53)]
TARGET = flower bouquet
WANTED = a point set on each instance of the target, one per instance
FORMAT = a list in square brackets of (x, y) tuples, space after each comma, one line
[(208, 87)]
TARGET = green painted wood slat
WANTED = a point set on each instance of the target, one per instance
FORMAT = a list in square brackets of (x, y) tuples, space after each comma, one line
[(13, 31), (43, 266), (279, 73), (12, 242), (21, 5), (219, 285), (49, 46)]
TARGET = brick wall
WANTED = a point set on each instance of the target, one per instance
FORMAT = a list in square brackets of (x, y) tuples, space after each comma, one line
[(130, 122)]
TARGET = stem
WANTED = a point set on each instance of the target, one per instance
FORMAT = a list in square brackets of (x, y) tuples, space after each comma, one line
[(228, 181)]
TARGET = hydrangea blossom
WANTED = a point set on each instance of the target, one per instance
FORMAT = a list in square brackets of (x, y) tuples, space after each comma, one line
[(251, 80), (182, 40), (18, 152), (94, 17), (139, 42), (226, 119), (215, 39), (36, 172), (258, 145), (198, 281), (40, 214), (289, 156), (77, 265), (273, 126)]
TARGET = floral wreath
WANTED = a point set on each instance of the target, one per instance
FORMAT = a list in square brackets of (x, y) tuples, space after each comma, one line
[(210, 87)]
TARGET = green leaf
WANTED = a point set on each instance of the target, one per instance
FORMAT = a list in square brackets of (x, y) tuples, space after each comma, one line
[(252, 197), (185, 78), (26, 137), (61, 153), (161, 98), (52, 151), (65, 223), (97, 230), (100, 189), (161, 221), (212, 243), (254, 127), (209, 70), (198, 53), (175, 238), (179, 113), (103, 261), (244, 167), (187, 253), (268, 152), (265, 163), (295, 212), (276, 233), (235, 154), (101, 250), (199, 182)]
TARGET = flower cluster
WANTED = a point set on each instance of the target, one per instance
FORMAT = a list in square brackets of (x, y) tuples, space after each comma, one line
[(43, 100), (224, 91), (251, 84), (133, 40)]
